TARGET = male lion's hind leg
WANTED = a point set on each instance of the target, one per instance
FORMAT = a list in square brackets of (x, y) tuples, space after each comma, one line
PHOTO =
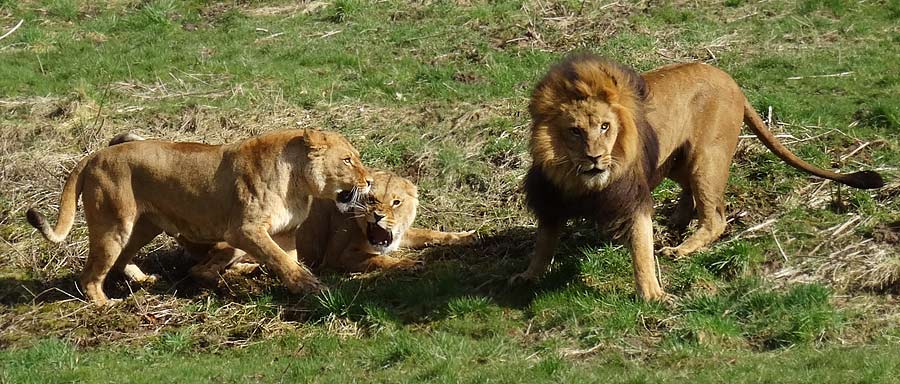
[(708, 183), (684, 211), (545, 246)]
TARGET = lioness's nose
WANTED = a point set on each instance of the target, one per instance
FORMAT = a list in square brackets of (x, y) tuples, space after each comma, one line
[(377, 216), (368, 182)]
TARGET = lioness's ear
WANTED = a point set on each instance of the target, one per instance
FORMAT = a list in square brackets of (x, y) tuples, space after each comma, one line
[(309, 142)]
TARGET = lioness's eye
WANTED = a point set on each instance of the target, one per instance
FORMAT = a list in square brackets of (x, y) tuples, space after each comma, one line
[(348, 161), (396, 203), (604, 126)]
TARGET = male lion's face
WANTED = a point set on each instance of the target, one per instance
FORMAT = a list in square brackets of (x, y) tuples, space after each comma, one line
[(588, 129), (346, 180), (390, 211)]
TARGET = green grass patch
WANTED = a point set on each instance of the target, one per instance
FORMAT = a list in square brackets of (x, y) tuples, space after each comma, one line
[(437, 92)]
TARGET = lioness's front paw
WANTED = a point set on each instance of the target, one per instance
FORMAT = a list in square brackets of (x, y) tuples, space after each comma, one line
[(463, 238), (149, 280), (310, 287), (406, 264)]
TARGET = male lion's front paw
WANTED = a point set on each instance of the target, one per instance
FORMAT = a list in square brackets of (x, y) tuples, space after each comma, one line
[(671, 300), (660, 296), (523, 278), (674, 253)]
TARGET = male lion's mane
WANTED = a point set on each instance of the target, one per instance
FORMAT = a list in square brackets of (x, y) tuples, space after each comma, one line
[(552, 189)]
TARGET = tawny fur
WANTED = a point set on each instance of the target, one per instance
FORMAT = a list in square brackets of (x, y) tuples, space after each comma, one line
[(603, 137), (241, 193), (341, 241)]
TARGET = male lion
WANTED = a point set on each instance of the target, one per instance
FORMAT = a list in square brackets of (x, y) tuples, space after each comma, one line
[(355, 241), (241, 193), (603, 137)]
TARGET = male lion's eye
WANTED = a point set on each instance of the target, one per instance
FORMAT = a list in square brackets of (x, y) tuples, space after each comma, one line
[(396, 203), (576, 131), (604, 126), (348, 161)]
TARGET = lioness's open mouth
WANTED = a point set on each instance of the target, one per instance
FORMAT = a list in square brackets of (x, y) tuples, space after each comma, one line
[(378, 235), (345, 196)]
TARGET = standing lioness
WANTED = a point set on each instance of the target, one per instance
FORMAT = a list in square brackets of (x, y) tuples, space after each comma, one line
[(240, 193)]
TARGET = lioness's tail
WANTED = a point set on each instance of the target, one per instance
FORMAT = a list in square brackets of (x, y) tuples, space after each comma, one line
[(68, 201), (862, 179)]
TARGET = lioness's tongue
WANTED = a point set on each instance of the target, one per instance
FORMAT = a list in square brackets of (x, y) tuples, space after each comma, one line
[(378, 235)]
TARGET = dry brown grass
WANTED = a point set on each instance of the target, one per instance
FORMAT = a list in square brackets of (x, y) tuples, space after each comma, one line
[(43, 137)]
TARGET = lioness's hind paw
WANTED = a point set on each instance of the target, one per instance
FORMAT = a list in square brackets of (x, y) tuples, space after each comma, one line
[(148, 280), (241, 268), (112, 302)]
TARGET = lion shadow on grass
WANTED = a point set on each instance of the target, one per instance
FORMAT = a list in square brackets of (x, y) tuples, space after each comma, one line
[(446, 273), (480, 271)]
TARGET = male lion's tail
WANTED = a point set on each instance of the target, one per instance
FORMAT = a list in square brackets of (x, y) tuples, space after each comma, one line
[(67, 204), (862, 179)]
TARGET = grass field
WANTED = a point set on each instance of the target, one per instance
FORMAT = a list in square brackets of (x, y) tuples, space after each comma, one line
[(801, 288)]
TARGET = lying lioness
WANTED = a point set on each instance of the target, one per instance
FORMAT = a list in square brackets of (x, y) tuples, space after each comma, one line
[(241, 193), (355, 241)]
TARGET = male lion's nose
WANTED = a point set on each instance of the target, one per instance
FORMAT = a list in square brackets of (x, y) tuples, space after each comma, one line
[(594, 159)]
